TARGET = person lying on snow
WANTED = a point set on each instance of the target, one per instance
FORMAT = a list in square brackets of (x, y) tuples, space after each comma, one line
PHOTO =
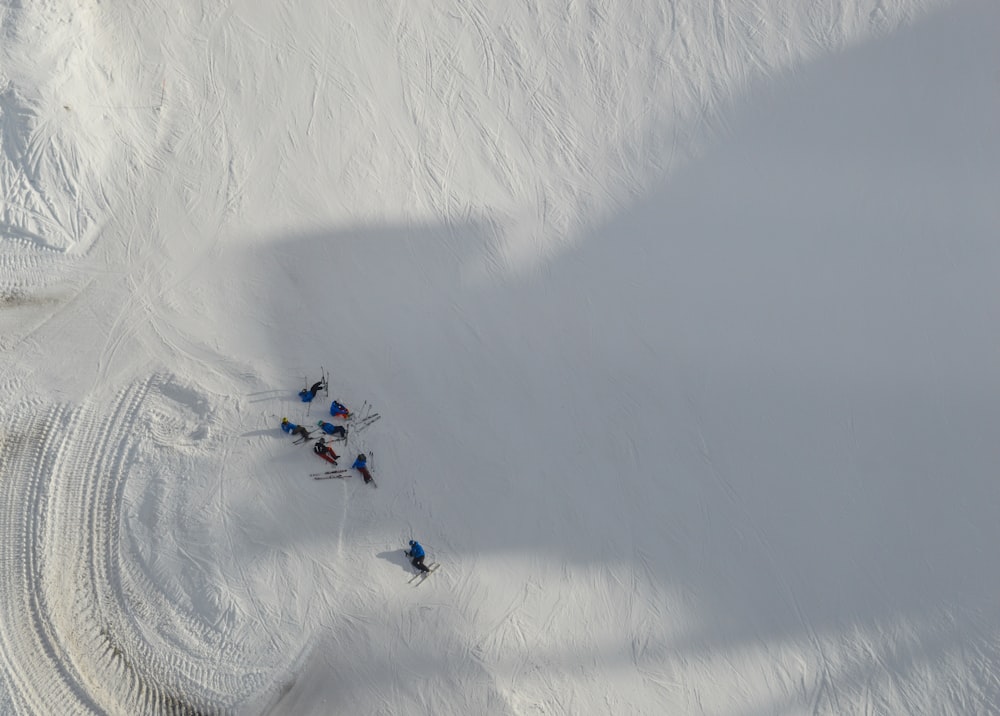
[(361, 465), (331, 429), (293, 429), (308, 395), (416, 555), (339, 410), (325, 452)]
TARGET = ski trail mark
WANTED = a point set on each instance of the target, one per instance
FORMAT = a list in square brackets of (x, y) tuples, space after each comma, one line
[(89, 621)]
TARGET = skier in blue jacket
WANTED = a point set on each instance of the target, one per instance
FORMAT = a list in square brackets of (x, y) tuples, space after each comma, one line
[(339, 410), (416, 554), (361, 465), (293, 429), (308, 395), (330, 429)]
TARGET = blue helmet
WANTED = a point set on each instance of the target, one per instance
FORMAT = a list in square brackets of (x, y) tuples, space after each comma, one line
[(412, 542)]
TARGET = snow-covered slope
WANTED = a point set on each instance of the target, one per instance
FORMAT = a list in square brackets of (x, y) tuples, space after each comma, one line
[(679, 318)]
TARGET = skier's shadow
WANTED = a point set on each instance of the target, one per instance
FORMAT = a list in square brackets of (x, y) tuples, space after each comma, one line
[(262, 395), (266, 431), (397, 556)]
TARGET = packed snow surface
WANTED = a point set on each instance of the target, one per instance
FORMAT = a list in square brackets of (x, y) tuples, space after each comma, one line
[(680, 319)]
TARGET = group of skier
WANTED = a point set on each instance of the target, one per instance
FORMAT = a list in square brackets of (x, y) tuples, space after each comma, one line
[(321, 448), (416, 552)]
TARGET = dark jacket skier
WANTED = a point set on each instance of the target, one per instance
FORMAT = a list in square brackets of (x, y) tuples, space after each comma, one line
[(361, 465), (331, 429), (293, 429), (325, 452), (308, 395), (416, 555)]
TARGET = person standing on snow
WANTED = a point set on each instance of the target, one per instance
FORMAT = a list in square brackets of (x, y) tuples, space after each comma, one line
[(293, 429), (308, 395), (325, 452), (331, 429), (416, 554)]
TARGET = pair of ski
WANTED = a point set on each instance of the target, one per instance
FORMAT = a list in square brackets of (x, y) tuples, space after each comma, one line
[(336, 474), (323, 376), (311, 438), (330, 474), (342, 473), (364, 416), (326, 386), (364, 422), (422, 576)]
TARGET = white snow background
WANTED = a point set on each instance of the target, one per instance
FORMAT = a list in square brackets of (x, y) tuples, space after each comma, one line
[(681, 319)]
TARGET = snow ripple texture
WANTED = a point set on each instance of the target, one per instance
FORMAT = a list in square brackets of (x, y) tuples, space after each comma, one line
[(90, 620), (56, 135)]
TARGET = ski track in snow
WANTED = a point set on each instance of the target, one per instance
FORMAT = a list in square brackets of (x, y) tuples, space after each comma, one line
[(165, 554), (103, 631)]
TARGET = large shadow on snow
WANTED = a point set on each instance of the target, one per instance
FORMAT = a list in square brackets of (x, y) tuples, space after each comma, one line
[(819, 295), (772, 383), (826, 281)]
